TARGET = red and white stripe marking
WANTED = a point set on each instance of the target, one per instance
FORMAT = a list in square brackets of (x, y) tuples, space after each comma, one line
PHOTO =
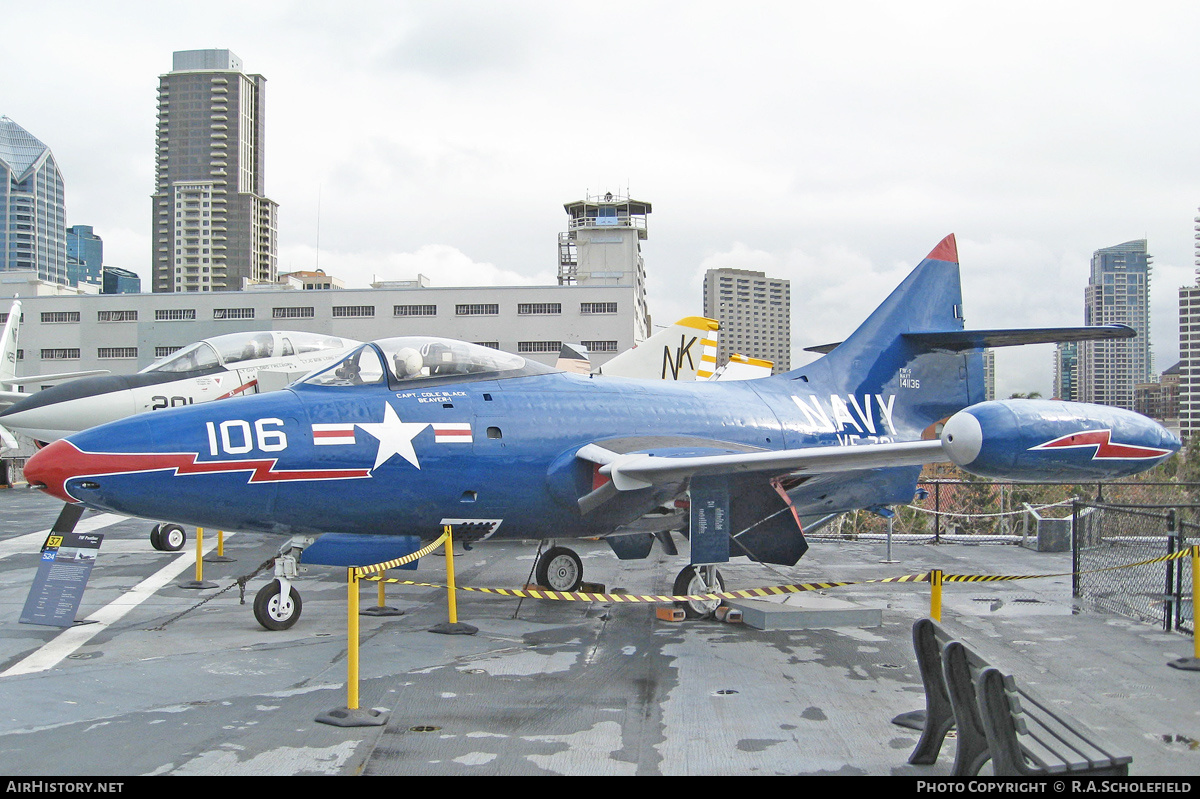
[(452, 432), (324, 434)]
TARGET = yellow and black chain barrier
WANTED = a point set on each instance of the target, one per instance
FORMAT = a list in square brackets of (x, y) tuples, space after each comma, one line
[(375, 573)]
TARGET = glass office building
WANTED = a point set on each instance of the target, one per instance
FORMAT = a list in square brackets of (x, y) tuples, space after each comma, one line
[(1117, 292), (32, 209), (85, 256)]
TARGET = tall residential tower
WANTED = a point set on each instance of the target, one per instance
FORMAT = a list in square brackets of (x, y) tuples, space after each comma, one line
[(1189, 352), (33, 231), (755, 312), (1117, 292), (214, 228)]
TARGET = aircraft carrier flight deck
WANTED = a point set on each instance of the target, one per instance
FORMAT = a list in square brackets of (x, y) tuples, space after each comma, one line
[(171, 680)]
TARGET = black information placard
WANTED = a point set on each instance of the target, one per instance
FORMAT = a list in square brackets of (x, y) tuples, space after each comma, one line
[(66, 564), (709, 531)]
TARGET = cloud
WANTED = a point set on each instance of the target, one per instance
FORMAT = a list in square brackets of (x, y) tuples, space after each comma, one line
[(442, 264)]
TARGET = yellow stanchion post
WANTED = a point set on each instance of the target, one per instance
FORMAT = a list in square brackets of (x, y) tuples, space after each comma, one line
[(219, 555), (199, 581), (1193, 663), (452, 627), (382, 608), (1195, 601), (352, 640), (351, 715), (453, 599), (199, 554), (935, 595)]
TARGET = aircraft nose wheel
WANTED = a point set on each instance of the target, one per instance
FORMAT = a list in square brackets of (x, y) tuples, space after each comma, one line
[(698, 580), (275, 611), (559, 569), (167, 537)]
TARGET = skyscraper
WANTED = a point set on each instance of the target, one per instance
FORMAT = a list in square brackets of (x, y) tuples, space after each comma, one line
[(755, 312), (85, 256), (1189, 352), (214, 228), (1118, 291), (32, 207), (1066, 371)]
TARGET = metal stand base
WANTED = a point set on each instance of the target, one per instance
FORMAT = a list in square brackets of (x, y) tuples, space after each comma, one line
[(197, 584), (914, 720), (382, 611), (219, 559), (1187, 664), (345, 717), (454, 629)]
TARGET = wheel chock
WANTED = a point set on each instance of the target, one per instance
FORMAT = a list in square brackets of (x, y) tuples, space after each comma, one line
[(669, 613), (728, 615)]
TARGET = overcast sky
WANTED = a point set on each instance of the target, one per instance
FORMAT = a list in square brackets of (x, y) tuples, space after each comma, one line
[(832, 144)]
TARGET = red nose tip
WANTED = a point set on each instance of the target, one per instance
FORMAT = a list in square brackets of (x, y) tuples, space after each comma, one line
[(51, 467)]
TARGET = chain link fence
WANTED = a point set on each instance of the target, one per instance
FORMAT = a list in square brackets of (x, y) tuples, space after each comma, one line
[(1114, 524), (945, 509), (1109, 536)]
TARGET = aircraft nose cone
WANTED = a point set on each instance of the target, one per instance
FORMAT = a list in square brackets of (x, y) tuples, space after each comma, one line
[(51, 467)]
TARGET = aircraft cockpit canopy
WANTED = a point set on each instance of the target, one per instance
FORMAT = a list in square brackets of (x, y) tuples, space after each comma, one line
[(406, 360), (231, 348)]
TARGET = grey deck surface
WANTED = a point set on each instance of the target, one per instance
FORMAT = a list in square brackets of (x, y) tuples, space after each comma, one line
[(544, 687)]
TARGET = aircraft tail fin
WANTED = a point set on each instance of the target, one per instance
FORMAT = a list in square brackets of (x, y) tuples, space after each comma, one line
[(915, 349), (8, 348), (573, 358), (882, 359), (687, 350)]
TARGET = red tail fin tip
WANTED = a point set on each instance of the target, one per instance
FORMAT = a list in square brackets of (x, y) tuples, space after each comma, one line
[(947, 250)]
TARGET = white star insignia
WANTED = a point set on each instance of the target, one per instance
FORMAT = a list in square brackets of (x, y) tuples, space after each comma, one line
[(395, 437)]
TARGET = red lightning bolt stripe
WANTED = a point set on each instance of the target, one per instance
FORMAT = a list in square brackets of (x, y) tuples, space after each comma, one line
[(1105, 449), (63, 461)]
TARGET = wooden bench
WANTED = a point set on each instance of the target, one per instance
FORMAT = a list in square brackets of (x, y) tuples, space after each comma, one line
[(996, 720)]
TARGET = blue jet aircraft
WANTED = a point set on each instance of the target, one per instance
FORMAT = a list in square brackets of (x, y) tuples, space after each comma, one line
[(406, 435)]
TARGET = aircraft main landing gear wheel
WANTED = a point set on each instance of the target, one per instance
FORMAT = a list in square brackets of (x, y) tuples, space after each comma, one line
[(559, 569), (167, 537), (273, 610), (694, 580)]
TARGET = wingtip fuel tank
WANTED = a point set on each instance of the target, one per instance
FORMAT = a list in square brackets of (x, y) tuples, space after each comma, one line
[(1050, 440)]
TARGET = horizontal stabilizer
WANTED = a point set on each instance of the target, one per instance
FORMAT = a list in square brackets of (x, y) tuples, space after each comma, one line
[(743, 367), (957, 340)]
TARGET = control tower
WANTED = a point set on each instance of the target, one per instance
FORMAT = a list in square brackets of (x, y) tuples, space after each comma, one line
[(602, 246)]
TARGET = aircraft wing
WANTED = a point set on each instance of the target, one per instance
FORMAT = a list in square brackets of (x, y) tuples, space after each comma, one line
[(634, 470), (53, 378)]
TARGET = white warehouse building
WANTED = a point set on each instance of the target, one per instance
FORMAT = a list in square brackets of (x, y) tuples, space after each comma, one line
[(124, 333), (600, 302)]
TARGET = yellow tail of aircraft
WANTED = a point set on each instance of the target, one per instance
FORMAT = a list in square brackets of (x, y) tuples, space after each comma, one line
[(687, 350)]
